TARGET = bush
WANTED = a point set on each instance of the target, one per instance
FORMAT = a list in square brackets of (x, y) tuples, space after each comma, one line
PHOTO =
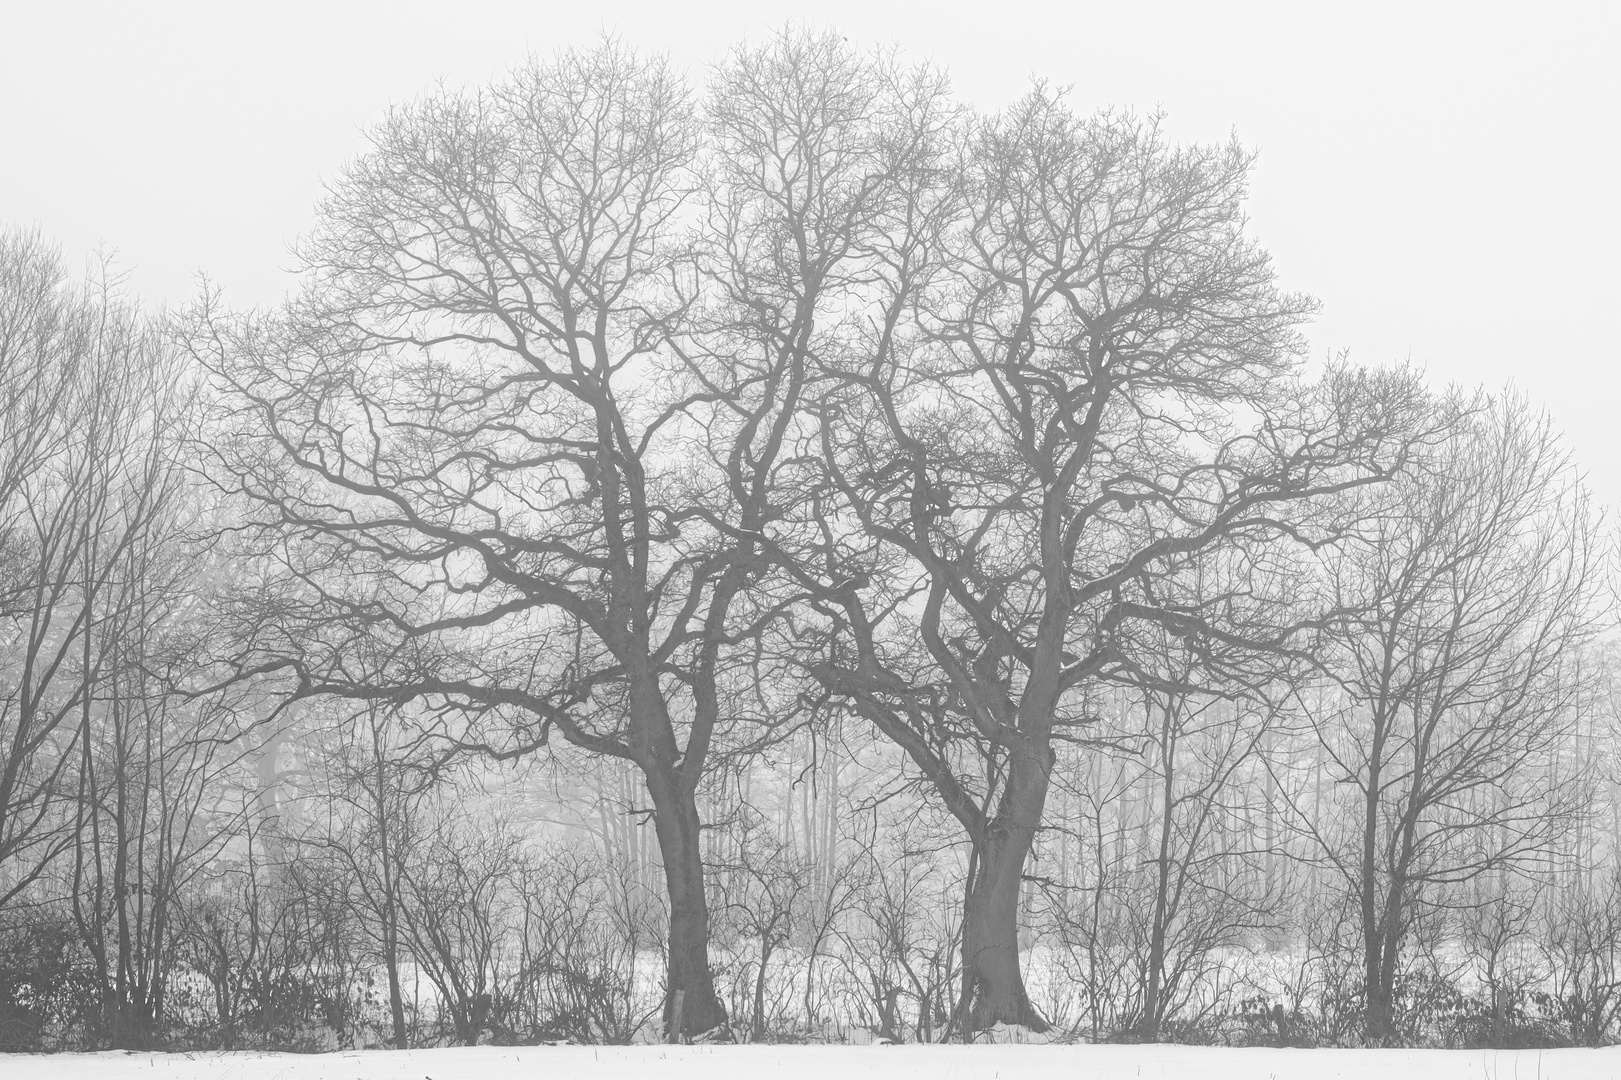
[(47, 987)]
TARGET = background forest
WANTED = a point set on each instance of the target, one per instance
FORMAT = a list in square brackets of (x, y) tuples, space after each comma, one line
[(800, 560)]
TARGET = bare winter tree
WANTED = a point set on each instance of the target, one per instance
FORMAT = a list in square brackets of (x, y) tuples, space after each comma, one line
[(459, 911), (44, 337), (146, 824), (87, 469), (100, 760), (364, 827), (516, 443), (1470, 597), (768, 898), (1202, 751), (806, 536), (1081, 377), (149, 765)]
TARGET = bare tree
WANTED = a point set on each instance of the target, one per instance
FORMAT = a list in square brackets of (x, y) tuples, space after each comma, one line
[(87, 469), (583, 938), (360, 819), (98, 759), (766, 895), (1209, 886), (903, 943), (460, 913), (1494, 931), (1468, 598), (1081, 379), (255, 932), (1581, 943), (147, 764), (524, 438), (464, 429)]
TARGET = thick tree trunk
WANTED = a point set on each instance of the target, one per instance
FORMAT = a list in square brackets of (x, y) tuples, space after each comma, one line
[(469, 1012), (675, 819), (134, 1027), (1381, 938), (1380, 1018), (993, 984)]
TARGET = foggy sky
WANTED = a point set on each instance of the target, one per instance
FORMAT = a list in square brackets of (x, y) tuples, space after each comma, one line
[(1441, 177)]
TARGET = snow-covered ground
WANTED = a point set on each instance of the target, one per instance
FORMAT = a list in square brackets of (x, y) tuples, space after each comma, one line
[(1013, 1062)]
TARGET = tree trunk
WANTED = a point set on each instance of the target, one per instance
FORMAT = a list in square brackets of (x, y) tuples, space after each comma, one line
[(1153, 1007), (1381, 1019), (758, 1034), (1376, 998), (675, 819), (391, 904), (993, 985), (134, 1027), (396, 999), (1381, 939)]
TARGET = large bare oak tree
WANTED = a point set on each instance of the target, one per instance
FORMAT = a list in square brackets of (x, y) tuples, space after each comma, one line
[(1084, 378)]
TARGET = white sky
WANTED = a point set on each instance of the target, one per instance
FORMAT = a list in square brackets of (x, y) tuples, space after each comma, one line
[(1442, 176)]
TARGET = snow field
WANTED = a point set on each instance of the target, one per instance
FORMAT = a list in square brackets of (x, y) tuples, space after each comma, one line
[(790, 1062)]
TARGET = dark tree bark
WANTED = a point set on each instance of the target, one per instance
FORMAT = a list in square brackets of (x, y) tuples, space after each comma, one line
[(680, 844), (993, 981)]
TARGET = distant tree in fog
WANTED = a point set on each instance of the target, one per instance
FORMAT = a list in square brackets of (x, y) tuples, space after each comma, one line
[(1469, 595)]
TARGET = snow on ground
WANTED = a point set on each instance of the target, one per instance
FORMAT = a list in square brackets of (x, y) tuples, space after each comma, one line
[(1154, 1062)]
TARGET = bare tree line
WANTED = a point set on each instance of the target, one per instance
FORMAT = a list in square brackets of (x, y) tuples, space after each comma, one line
[(798, 557)]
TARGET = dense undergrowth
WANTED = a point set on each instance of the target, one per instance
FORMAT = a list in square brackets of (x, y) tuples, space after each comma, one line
[(305, 993)]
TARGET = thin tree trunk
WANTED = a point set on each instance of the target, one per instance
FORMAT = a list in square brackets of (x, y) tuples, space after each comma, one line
[(1377, 1019), (396, 999), (391, 900), (1152, 1006), (759, 996)]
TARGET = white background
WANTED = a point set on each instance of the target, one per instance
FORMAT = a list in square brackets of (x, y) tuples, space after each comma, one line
[(1443, 177)]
